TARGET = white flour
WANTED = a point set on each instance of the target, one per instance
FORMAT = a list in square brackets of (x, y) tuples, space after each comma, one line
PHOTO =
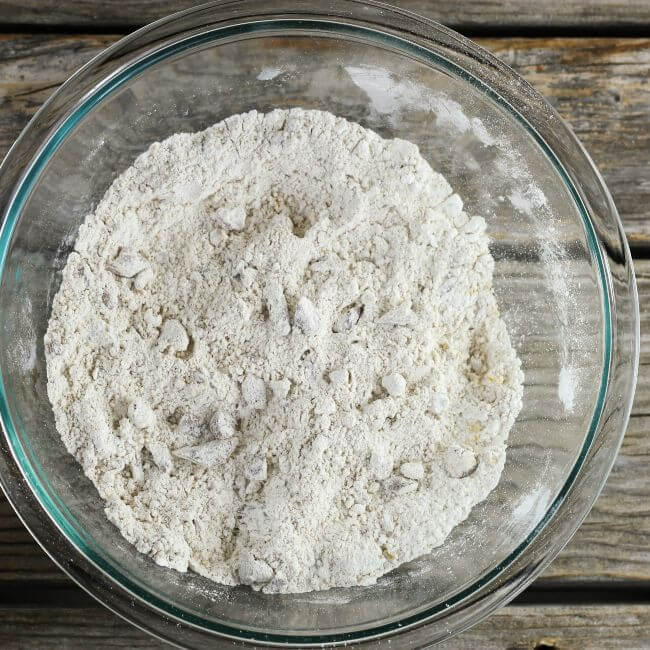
[(277, 354)]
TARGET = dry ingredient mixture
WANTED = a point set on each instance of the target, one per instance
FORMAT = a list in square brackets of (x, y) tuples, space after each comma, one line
[(277, 354)]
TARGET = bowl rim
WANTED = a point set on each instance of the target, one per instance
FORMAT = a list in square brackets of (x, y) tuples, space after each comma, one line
[(324, 25)]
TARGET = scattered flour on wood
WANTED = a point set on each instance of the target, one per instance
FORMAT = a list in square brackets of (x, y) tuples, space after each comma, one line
[(277, 354)]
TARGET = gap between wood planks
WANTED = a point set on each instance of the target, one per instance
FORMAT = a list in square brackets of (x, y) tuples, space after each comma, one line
[(472, 17), (621, 30), (27, 593)]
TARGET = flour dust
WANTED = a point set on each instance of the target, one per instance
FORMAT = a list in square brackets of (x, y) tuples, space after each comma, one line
[(277, 354)]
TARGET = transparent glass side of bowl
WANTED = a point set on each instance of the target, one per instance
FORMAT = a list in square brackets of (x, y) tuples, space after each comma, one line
[(546, 284)]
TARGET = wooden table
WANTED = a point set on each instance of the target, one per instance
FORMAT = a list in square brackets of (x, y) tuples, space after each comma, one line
[(591, 59)]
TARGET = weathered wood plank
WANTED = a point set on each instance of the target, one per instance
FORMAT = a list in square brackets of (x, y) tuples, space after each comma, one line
[(579, 627), (20, 557), (88, 627), (460, 14), (31, 68), (601, 86), (614, 539)]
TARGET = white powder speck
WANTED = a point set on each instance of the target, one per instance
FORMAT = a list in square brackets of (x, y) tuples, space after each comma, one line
[(389, 94), (269, 73), (566, 388), (529, 200)]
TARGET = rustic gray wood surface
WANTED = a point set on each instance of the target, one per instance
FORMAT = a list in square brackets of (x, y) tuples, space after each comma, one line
[(596, 594), (545, 627)]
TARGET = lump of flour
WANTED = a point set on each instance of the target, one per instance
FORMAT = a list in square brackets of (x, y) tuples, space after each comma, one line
[(277, 354)]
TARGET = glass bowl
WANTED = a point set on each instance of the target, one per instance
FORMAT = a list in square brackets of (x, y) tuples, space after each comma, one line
[(564, 282)]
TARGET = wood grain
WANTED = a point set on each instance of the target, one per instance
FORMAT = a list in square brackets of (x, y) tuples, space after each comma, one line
[(578, 627), (20, 557), (71, 628), (464, 14), (601, 86)]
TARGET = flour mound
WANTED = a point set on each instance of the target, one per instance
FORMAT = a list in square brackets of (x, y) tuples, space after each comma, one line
[(277, 354)]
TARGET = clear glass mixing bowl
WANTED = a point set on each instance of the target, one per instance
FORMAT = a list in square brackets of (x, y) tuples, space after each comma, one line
[(564, 282)]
